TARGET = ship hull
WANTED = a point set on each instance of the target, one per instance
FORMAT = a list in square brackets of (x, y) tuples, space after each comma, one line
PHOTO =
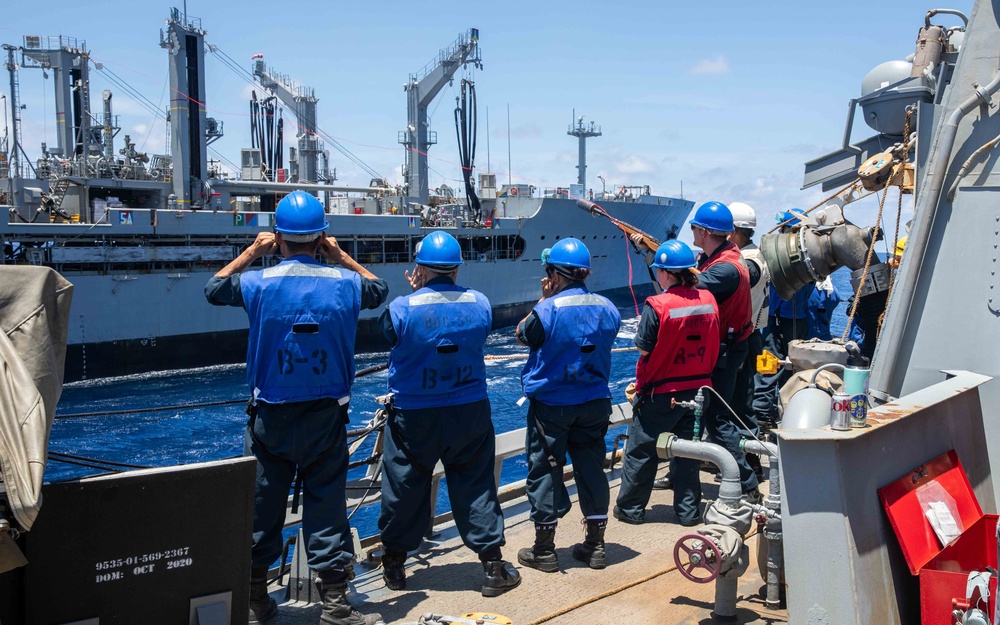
[(184, 351), (139, 302)]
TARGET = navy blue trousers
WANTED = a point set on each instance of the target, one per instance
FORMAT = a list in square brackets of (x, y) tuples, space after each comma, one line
[(655, 417), (721, 427), (579, 431), (460, 437), (312, 436)]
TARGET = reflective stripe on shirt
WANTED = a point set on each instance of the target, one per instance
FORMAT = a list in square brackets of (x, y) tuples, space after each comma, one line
[(443, 297), (585, 299), (301, 270), (690, 311)]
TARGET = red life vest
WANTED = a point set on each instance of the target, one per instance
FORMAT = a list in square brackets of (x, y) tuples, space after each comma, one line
[(687, 345), (736, 311)]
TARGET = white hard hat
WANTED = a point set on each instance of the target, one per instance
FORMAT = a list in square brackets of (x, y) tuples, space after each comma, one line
[(743, 215)]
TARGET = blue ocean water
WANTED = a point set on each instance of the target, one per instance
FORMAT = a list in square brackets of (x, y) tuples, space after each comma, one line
[(191, 435)]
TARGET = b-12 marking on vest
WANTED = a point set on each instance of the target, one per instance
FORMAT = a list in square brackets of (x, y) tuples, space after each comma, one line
[(287, 362), (682, 355), (431, 377)]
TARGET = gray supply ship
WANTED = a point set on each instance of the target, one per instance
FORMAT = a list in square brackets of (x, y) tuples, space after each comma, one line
[(891, 521), (138, 235)]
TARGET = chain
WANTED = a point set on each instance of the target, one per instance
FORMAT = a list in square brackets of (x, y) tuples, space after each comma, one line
[(868, 262), (895, 236)]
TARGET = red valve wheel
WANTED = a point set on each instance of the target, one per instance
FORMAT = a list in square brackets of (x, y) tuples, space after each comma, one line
[(702, 555)]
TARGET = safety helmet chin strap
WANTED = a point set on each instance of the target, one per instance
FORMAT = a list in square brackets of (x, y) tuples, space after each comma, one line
[(566, 272)]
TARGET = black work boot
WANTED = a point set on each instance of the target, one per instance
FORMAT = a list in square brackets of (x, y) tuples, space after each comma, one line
[(332, 586), (501, 576), (591, 550), (262, 606), (663, 483), (392, 570), (542, 555)]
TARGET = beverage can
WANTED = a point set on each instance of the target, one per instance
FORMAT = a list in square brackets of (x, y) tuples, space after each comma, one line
[(840, 412)]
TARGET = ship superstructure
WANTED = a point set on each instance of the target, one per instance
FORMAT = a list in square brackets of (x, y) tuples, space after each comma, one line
[(139, 234)]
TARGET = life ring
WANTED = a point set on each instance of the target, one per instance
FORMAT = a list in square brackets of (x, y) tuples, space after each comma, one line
[(513, 190)]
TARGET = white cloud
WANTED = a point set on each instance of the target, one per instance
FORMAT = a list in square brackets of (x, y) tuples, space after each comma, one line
[(634, 164), (718, 65)]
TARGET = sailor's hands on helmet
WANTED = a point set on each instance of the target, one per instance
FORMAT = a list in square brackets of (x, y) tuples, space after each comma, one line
[(417, 279), (330, 250), (263, 245)]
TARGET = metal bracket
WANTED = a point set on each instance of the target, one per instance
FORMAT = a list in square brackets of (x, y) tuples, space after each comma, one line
[(983, 95)]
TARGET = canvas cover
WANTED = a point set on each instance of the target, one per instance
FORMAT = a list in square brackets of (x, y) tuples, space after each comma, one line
[(34, 318)]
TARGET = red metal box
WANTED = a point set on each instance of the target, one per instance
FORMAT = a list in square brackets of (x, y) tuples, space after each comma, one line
[(943, 571)]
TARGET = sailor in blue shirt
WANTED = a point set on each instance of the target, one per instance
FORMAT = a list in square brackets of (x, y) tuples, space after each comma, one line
[(300, 366), (570, 332), (440, 412), (806, 315)]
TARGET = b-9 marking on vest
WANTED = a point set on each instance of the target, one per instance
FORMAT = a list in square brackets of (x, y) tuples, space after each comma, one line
[(682, 355)]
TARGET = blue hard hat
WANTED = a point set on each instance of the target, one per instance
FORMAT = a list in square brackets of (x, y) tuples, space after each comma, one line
[(790, 218), (438, 249), (674, 255), (569, 253), (713, 216), (300, 213)]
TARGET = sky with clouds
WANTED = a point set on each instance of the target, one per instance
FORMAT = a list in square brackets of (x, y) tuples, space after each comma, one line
[(725, 99)]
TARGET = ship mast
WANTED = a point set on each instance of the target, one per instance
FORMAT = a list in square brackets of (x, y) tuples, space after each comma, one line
[(184, 40), (421, 89), (582, 132)]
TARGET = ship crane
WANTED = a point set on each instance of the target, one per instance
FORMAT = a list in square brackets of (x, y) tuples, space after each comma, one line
[(421, 89), (302, 100)]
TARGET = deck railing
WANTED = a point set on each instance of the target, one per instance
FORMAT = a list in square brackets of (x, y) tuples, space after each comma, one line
[(508, 445)]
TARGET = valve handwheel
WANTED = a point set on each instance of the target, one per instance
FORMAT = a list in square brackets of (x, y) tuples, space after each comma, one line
[(703, 561)]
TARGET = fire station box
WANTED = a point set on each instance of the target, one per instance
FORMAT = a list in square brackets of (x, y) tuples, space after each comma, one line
[(944, 536)]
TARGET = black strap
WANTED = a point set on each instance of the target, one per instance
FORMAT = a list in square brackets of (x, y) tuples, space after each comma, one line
[(296, 490), (647, 389), (545, 444)]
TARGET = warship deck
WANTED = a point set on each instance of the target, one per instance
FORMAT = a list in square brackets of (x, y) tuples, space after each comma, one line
[(640, 584)]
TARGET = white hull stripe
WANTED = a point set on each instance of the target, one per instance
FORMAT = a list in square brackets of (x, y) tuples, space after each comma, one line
[(690, 311), (300, 270), (443, 297), (586, 299)]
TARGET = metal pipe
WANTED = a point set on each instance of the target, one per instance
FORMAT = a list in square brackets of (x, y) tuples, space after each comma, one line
[(829, 365), (967, 165), (887, 352), (289, 187), (725, 598), (772, 505), (730, 491), (933, 12)]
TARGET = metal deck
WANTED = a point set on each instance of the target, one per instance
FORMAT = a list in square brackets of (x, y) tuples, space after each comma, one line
[(640, 584)]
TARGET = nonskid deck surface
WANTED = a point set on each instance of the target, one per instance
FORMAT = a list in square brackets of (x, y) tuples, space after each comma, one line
[(445, 577)]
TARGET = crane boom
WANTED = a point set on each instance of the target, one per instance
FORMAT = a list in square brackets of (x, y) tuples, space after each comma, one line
[(303, 101), (421, 90)]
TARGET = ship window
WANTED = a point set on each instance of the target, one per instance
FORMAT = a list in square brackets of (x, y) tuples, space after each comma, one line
[(543, 237), (397, 250), (369, 251)]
